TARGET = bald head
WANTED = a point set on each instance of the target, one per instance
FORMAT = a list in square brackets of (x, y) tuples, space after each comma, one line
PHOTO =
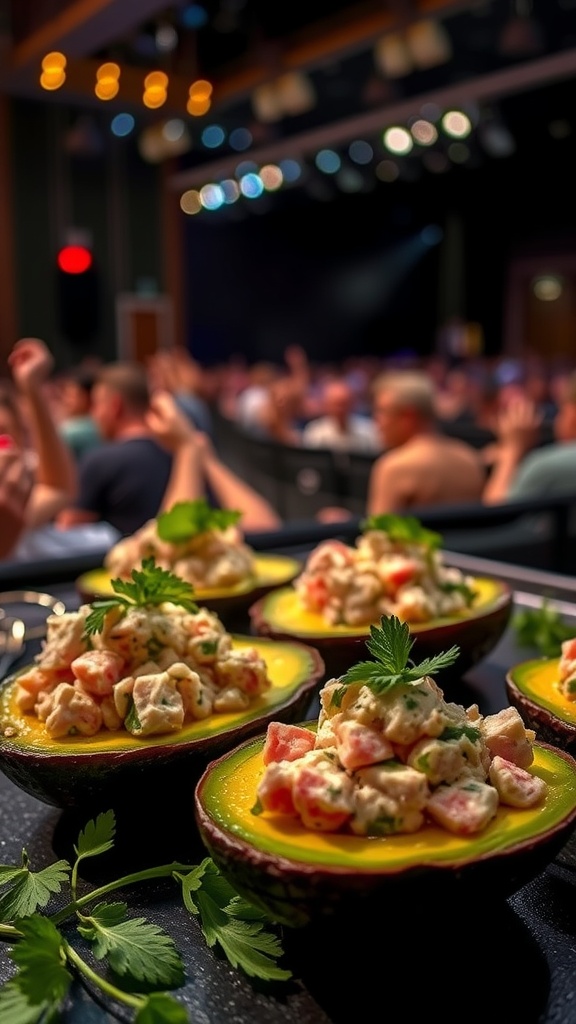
[(404, 405)]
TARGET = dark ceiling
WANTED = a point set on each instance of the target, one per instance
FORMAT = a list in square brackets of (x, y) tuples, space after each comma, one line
[(510, 63)]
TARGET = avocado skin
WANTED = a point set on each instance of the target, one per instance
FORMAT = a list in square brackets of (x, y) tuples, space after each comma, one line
[(297, 893), (95, 781), (475, 637), (300, 895)]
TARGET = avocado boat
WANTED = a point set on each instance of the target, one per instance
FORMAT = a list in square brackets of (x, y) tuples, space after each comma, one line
[(531, 688), (299, 877), (393, 796), (281, 616), (270, 571), (112, 767)]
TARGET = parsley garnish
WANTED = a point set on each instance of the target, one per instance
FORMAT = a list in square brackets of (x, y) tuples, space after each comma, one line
[(186, 519), (390, 643), (134, 949), (148, 587), (447, 587), (403, 530), (542, 628)]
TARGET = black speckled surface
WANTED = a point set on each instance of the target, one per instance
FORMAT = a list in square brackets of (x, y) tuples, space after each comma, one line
[(510, 962)]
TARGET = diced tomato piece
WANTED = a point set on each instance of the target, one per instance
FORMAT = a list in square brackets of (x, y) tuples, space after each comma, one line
[(314, 802), (98, 671), (286, 742), (358, 745), (404, 572), (317, 593)]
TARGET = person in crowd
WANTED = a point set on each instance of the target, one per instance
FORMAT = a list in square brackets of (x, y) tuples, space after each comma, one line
[(280, 415), (16, 483), (123, 480), (173, 369), (197, 471), (25, 416), (76, 424), (420, 465), (340, 428), (254, 396), (523, 468)]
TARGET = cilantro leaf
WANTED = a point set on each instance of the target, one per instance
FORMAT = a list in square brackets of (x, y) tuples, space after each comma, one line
[(542, 628), (403, 530), (240, 928), (97, 836), (390, 643), (96, 619), (187, 519), (15, 1007), (40, 957), (148, 587), (25, 890), (132, 946), (455, 732), (161, 1008)]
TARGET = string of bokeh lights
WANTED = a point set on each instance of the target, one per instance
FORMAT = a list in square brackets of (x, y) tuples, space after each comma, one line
[(250, 181)]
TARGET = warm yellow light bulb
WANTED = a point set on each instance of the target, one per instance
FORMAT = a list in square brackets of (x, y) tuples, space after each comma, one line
[(107, 89), (52, 80), (108, 70), (156, 79), (200, 89), (54, 61), (197, 107)]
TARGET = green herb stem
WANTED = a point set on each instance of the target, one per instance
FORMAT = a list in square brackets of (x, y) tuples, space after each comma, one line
[(8, 933), (105, 986), (162, 871)]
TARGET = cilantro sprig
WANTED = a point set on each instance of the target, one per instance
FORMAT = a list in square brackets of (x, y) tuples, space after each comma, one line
[(542, 628), (148, 587), (391, 643), (134, 950), (403, 530), (186, 519)]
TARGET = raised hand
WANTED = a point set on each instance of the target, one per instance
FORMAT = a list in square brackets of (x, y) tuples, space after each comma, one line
[(31, 363)]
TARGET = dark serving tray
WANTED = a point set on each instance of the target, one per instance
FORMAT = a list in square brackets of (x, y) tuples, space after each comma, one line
[(481, 963)]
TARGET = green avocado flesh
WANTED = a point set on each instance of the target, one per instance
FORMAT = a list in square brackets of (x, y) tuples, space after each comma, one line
[(292, 667), (537, 680), (270, 570), (283, 613), (227, 794)]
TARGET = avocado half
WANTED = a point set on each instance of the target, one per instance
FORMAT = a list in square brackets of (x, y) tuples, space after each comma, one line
[(270, 571), (281, 615), (115, 768), (299, 877), (531, 688)]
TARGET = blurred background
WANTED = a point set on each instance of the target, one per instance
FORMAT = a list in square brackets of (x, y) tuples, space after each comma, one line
[(239, 176)]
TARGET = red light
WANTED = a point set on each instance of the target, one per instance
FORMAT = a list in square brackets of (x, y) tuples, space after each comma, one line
[(74, 259)]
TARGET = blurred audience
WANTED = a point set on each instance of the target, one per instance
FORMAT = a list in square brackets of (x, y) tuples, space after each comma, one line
[(174, 369), (76, 423), (16, 483), (339, 427), (198, 472), (281, 412), (26, 416), (523, 468), (254, 396), (122, 481), (420, 466)]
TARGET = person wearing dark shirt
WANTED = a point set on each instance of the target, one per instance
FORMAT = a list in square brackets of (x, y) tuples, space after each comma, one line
[(122, 482)]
